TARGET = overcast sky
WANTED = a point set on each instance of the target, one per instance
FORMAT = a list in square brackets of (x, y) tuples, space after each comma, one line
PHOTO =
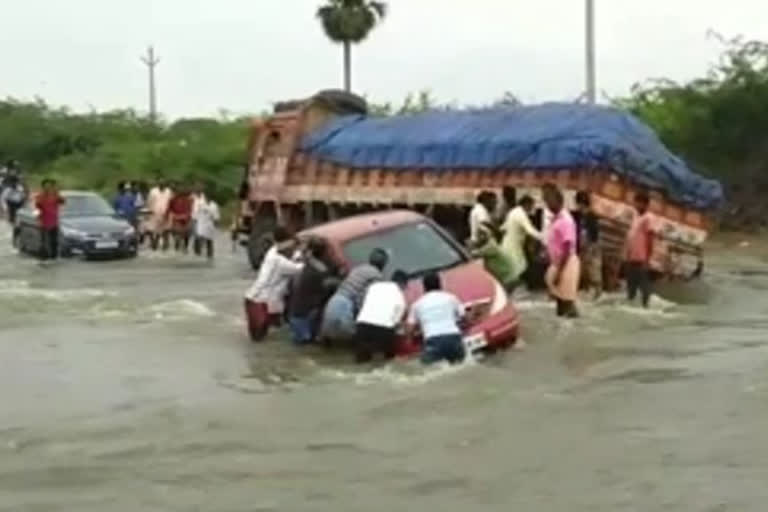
[(241, 55)]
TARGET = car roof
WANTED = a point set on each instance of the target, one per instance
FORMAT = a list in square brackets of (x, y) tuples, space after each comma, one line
[(359, 225)]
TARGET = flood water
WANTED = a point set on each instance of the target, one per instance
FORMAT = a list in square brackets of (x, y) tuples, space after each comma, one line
[(130, 385)]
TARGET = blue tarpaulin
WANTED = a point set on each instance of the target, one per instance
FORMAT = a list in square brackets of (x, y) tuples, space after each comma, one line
[(552, 135)]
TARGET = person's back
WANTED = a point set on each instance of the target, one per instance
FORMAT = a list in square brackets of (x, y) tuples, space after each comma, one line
[(125, 205), (437, 313), (357, 281), (342, 309), (381, 316), (383, 306)]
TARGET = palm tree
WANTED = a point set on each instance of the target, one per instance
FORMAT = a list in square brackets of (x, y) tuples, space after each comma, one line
[(349, 22)]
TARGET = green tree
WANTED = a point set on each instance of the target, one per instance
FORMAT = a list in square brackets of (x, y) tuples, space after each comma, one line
[(349, 22), (718, 123)]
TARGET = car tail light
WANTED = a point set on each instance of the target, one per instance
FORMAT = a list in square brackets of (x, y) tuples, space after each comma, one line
[(476, 311)]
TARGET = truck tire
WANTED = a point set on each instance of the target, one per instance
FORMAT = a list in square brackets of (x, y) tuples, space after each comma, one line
[(259, 241)]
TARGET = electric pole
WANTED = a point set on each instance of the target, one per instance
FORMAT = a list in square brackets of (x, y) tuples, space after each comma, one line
[(151, 62), (590, 52)]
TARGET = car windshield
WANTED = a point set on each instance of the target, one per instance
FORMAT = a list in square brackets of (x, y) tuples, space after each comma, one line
[(414, 248), (85, 205)]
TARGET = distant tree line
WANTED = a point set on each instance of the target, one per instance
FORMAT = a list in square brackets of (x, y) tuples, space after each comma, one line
[(98, 150)]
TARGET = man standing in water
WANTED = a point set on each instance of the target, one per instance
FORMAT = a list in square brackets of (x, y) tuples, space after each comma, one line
[(380, 317), (639, 250), (564, 267), (265, 299), (204, 219), (157, 202), (13, 197), (480, 215), (180, 218), (310, 291), (125, 204), (48, 203), (438, 314), (516, 228), (589, 243)]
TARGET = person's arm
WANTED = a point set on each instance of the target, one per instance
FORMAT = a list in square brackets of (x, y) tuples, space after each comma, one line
[(215, 215), (60, 198), (528, 226), (288, 266), (459, 312), (483, 251)]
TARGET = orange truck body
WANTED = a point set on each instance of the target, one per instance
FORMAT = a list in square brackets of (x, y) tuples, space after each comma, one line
[(287, 186)]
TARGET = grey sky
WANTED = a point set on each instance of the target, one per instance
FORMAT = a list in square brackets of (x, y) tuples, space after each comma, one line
[(242, 54)]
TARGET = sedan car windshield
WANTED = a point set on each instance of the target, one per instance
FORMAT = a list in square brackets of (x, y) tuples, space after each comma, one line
[(414, 248), (85, 205)]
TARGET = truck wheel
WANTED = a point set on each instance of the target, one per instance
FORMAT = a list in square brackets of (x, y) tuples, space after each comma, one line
[(259, 241)]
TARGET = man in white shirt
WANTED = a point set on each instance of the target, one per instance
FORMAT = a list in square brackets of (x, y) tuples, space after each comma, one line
[(265, 299), (205, 216), (380, 317), (480, 215), (438, 315)]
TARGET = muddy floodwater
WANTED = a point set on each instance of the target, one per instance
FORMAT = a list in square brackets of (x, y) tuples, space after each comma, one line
[(130, 386)]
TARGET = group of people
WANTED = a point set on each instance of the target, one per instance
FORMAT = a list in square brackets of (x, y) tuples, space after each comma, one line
[(298, 282), (502, 234), (173, 212)]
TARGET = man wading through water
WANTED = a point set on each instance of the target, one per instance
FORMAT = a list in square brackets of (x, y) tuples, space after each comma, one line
[(564, 271), (638, 251), (48, 203)]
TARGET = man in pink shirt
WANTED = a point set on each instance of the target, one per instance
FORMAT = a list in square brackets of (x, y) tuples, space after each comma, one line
[(638, 251), (564, 266)]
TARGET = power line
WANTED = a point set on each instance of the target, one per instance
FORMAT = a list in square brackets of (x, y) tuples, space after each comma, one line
[(151, 61)]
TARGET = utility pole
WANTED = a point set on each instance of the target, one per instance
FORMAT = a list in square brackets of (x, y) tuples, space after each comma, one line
[(591, 79), (151, 62)]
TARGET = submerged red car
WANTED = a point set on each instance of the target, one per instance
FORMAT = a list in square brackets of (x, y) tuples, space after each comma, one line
[(417, 246)]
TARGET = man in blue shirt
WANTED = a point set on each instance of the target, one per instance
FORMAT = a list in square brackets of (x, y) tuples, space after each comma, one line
[(125, 204)]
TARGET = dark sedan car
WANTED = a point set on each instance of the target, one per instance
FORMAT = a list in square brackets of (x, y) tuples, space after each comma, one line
[(89, 226)]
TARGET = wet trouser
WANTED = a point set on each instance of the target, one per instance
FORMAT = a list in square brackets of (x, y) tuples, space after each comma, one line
[(449, 348), (638, 279), (566, 308), (181, 241), (12, 208), (338, 323), (49, 243), (370, 339), (259, 319), (200, 242), (156, 237), (304, 328)]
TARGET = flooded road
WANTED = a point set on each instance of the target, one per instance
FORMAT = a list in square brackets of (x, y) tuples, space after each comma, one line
[(130, 386)]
